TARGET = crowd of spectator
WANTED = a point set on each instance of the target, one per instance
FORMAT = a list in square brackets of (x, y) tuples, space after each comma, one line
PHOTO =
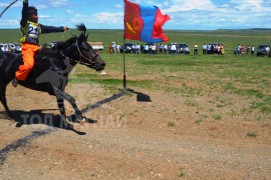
[(175, 48), (138, 48), (211, 48), (114, 48), (162, 48), (241, 50)]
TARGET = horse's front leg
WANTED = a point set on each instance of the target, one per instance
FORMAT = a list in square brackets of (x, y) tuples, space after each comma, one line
[(61, 107), (62, 95)]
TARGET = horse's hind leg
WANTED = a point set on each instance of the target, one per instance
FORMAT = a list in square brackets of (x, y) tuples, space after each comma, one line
[(4, 99), (62, 95)]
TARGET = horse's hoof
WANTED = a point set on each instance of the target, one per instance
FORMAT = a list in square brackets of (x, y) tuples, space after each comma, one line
[(19, 125), (75, 127), (82, 122), (12, 121)]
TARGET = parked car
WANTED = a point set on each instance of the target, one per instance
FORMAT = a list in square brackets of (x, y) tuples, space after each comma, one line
[(183, 48), (48, 45), (10, 47), (178, 48), (18, 48), (97, 45), (4, 47), (1, 46), (261, 50), (127, 48)]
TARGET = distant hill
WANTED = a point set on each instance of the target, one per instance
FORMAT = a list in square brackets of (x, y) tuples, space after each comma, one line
[(265, 29), (257, 29)]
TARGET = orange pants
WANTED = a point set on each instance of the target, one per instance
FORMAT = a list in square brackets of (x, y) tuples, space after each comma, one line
[(28, 53)]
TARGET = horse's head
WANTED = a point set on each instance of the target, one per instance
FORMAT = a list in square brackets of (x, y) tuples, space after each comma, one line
[(80, 51)]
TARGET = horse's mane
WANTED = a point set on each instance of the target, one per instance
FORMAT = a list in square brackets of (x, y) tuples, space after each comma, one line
[(62, 44), (81, 27)]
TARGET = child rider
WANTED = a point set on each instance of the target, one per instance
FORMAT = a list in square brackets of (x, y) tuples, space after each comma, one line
[(31, 30)]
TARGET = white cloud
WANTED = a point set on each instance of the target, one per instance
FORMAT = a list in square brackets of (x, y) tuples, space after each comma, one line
[(207, 14), (192, 14), (10, 23), (58, 3), (251, 5), (118, 6), (41, 6), (105, 17), (69, 11), (44, 16), (4, 5), (180, 5)]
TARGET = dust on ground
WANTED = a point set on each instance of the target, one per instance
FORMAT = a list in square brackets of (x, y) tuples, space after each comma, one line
[(170, 137)]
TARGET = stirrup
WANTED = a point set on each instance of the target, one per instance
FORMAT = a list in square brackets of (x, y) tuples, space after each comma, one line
[(14, 82)]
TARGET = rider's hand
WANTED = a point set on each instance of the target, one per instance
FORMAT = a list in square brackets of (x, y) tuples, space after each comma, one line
[(65, 28)]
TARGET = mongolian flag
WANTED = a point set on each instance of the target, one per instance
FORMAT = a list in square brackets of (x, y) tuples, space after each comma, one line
[(144, 23)]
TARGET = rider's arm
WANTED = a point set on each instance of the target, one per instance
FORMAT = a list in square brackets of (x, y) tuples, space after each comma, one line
[(49, 29), (24, 13)]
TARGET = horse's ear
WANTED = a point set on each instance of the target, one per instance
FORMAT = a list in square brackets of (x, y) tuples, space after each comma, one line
[(86, 37), (81, 38)]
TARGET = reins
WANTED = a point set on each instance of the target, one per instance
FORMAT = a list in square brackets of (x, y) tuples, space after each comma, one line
[(81, 55)]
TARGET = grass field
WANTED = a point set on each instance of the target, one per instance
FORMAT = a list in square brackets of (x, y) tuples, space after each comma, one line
[(209, 115), (230, 38), (246, 77)]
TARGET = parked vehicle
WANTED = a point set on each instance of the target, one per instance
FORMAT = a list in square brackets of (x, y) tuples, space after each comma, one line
[(18, 48), (10, 47), (178, 48), (127, 48), (48, 45), (183, 48), (261, 50), (4, 47), (97, 45)]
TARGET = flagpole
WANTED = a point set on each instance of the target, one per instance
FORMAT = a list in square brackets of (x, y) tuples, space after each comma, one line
[(124, 53), (124, 66)]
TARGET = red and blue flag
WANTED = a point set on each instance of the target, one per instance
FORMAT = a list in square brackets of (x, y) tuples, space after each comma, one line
[(144, 23)]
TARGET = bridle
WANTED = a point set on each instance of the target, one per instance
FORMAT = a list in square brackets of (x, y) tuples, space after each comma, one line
[(91, 61)]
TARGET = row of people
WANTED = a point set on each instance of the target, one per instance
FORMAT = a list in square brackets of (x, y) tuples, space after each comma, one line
[(240, 49), (175, 48), (211, 48), (172, 48)]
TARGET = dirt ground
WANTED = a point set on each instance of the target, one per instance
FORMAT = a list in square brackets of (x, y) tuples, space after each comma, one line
[(129, 139)]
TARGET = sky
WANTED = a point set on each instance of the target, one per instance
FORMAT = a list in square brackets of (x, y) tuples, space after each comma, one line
[(108, 14)]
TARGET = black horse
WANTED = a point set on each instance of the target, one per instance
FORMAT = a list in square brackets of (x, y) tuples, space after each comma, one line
[(51, 70)]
